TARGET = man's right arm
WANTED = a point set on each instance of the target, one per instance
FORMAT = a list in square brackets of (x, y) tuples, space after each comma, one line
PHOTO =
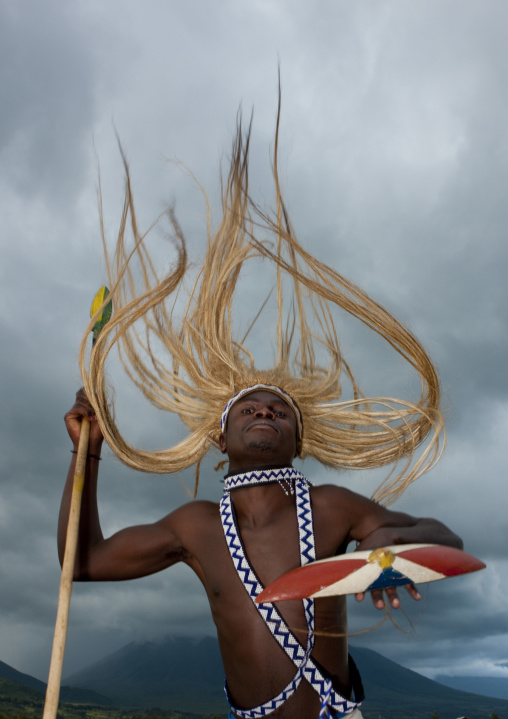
[(130, 553)]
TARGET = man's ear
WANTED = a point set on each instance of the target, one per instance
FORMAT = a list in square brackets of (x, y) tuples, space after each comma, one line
[(222, 443)]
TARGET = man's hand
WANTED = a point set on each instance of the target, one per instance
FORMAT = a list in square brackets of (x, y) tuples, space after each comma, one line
[(73, 418), (391, 594), (380, 527)]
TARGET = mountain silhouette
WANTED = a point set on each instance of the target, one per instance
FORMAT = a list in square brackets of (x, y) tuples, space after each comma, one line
[(67, 693), (186, 674)]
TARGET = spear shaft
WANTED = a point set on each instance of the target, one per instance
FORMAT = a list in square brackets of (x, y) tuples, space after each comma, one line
[(64, 595), (65, 591)]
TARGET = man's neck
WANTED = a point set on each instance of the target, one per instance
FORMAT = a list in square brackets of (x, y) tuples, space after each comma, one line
[(258, 504), (254, 468)]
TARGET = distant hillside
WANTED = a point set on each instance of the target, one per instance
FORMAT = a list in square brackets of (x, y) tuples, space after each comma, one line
[(187, 674), (22, 702), (177, 673), (7, 672), (394, 692), (12, 692), (488, 686), (19, 680)]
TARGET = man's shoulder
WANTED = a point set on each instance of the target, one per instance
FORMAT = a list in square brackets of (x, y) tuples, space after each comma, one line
[(199, 506), (197, 510), (337, 497), (334, 491)]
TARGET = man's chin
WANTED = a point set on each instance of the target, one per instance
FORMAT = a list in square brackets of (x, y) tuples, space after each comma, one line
[(261, 446)]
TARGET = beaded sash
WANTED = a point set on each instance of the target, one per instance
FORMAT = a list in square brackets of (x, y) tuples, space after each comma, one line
[(299, 655)]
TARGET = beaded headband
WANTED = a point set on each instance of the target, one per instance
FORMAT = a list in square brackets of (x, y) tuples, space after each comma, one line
[(268, 388)]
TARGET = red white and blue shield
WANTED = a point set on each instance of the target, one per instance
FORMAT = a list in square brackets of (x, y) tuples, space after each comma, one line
[(373, 569)]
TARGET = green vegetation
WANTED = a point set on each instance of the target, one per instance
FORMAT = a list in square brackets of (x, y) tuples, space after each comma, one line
[(21, 702)]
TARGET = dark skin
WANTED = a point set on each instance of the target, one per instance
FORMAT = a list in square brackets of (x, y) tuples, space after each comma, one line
[(261, 431)]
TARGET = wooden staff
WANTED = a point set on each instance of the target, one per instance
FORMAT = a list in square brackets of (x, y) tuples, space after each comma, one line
[(64, 596)]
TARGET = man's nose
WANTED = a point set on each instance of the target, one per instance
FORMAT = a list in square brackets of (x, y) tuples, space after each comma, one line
[(265, 412)]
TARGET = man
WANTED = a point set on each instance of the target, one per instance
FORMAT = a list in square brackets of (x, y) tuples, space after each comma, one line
[(261, 431), (185, 348)]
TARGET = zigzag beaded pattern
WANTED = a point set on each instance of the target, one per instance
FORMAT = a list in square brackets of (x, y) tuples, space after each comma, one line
[(263, 476), (269, 613), (282, 634)]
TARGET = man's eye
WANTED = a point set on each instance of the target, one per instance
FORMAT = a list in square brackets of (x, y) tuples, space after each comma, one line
[(247, 410), (281, 414)]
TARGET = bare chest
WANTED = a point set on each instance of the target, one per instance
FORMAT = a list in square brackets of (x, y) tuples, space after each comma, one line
[(271, 549), (271, 546), (248, 649)]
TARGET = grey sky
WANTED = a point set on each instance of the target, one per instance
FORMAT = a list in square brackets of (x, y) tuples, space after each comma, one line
[(394, 160)]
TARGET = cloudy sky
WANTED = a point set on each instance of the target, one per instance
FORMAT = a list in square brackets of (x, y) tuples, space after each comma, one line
[(394, 161)]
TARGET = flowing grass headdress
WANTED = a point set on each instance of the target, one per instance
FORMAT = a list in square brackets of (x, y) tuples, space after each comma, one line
[(202, 364)]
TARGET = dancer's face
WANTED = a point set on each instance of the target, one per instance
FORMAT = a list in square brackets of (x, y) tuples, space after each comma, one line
[(260, 431)]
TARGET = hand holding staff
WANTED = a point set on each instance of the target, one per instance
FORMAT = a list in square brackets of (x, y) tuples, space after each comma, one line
[(64, 597)]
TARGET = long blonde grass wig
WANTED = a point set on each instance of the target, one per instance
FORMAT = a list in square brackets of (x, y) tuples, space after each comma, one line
[(199, 363)]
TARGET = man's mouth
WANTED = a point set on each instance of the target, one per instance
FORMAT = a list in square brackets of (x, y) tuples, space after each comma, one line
[(263, 425)]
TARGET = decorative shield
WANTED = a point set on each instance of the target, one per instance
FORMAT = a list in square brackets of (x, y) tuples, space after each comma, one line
[(372, 569)]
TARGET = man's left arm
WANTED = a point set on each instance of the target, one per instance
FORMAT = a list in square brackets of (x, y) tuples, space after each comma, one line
[(375, 526), (404, 529)]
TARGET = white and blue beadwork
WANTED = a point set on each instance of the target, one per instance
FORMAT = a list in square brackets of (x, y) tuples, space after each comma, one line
[(299, 655), (285, 476)]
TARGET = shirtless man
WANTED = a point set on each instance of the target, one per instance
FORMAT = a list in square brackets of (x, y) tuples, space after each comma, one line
[(261, 432)]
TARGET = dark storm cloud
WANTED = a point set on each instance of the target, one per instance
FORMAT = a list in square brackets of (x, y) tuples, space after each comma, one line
[(46, 98), (394, 163)]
